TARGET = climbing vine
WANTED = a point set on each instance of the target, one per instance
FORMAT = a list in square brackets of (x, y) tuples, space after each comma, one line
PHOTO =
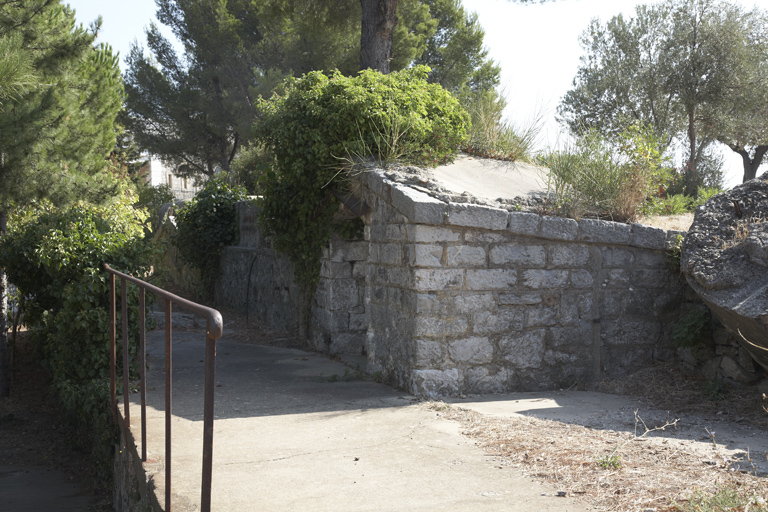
[(322, 126)]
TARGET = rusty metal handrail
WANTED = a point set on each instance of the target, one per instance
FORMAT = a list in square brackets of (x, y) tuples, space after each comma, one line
[(214, 328)]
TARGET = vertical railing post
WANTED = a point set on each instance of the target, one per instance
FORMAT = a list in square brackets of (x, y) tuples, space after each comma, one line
[(143, 370), (112, 348), (210, 378), (126, 364), (168, 381)]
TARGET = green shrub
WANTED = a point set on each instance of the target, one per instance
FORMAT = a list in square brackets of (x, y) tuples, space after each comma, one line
[(54, 257), (206, 225), (151, 199), (607, 178), (322, 126)]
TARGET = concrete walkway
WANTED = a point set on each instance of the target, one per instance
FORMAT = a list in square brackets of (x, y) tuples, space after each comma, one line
[(296, 431)]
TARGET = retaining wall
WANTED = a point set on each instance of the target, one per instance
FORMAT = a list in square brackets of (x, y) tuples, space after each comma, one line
[(466, 298), (450, 298)]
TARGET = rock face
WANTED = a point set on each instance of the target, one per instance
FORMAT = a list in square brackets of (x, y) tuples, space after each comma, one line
[(725, 260)]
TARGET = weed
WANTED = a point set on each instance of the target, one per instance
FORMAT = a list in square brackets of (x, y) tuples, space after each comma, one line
[(613, 459), (723, 500), (674, 254), (609, 461), (688, 330)]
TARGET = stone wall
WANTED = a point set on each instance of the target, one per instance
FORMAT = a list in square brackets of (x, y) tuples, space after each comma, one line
[(257, 279), (466, 298)]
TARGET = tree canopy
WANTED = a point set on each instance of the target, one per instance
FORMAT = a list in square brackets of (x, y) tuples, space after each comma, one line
[(59, 99), (196, 110), (688, 68)]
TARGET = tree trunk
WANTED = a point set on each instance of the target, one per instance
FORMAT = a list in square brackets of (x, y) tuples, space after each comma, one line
[(750, 163), (378, 24), (691, 178), (4, 369)]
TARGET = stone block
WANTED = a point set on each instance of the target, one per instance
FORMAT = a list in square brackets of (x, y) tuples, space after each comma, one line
[(519, 299), (359, 269), (524, 223), (575, 307), (396, 232), (651, 259), (524, 349), (342, 294), (616, 257), (477, 216), (604, 231), (572, 339), (485, 237), (648, 237), (631, 332), (490, 279), (568, 256), (470, 303), (335, 269), (559, 228), (650, 278), (439, 327), (437, 279), (529, 256), (541, 316), (391, 254), (732, 370), (502, 322), (465, 256), (539, 279), (434, 383), (425, 255), (418, 207), (470, 351), (378, 184), (428, 353), (441, 305), (581, 279), (347, 343), (482, 380), (430, 234), (617, 278), (613, 303), (343, 250), (358, 321)]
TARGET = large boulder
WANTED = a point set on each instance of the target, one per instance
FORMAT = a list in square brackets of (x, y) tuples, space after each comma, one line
[(725, 260)]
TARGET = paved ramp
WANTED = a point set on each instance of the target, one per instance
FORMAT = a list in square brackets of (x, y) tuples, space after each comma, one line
[(296, 431)]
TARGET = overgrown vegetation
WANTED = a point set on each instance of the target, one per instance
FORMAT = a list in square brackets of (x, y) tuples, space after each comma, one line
[(207, 224), (54, 257), (322, 127), (492, 136), (602, 177), (724, 500)]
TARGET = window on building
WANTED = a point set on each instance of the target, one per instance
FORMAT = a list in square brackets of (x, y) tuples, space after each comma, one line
[(185, 183), (170, 180)]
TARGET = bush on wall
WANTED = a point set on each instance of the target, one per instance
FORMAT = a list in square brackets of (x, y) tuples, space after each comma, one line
[(207, 224), (322, 126), (54, 257)]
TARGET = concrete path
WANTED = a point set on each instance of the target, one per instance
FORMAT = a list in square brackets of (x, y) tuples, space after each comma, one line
[(296, 431), (39, 489)]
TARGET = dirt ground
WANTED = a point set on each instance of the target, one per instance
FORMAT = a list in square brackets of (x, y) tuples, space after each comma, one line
[(33, 433)]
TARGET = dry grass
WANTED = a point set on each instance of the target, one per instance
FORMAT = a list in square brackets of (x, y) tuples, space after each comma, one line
[(653, 473)]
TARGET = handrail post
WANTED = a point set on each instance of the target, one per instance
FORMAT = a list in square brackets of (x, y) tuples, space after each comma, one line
[(210, 378), (143, 370), (126, 365), (112, 348), (168, 396)]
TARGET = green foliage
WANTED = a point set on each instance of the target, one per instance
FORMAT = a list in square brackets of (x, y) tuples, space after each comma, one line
[(54, 257), (677, 204), (674, 254), (322, 124), (56, 123), (724, 500), (688, 330), (693, 69), (602, 177), (206, 225), (151, 199), (611, 461)]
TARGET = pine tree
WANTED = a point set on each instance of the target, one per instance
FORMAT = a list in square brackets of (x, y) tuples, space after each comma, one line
[(60, 97)]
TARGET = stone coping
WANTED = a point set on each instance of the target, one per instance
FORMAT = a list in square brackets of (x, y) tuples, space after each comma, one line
[(421, 208)]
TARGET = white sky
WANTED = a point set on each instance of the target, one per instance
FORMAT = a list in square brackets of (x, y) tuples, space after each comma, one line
[(536, 45)]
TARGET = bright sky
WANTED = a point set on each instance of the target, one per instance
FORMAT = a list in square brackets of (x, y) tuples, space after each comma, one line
[(536, 45)]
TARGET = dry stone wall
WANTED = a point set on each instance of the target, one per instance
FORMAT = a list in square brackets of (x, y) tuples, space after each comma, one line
[(467, 298), (257, 279)]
